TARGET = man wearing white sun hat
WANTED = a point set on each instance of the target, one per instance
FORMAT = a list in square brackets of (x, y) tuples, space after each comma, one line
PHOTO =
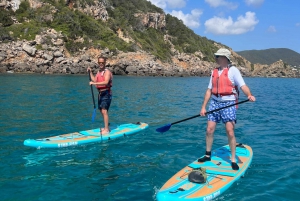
[(223, 91)]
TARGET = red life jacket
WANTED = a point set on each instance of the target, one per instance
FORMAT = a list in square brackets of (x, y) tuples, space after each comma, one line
[(221, 85), (100, 78)]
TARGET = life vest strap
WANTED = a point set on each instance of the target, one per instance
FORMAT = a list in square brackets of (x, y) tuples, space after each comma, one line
[(104, 90), (220, 95)]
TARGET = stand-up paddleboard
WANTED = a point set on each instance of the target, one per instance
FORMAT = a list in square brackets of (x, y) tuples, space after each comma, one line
[(220, 176), (85, 137)]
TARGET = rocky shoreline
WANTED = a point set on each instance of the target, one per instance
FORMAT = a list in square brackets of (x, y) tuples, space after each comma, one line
[(51, 57), (47, 55)]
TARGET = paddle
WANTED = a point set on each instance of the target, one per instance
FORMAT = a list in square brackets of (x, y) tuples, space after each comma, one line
[(94, 113), (168, 126)]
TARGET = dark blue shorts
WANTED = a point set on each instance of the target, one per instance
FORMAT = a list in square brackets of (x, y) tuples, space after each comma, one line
[(104, 100)]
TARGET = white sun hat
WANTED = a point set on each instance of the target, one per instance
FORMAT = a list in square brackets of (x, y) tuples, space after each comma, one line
[(223, 52)]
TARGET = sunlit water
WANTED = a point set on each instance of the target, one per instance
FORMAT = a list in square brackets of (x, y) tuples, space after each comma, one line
[(135, 167)]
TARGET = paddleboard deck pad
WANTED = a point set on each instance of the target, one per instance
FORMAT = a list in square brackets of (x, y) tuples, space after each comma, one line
[(85, 137), (220, 176)]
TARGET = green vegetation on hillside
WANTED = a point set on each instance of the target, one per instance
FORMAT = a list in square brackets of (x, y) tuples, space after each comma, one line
[(5, 19), (122, 17), (74, 24), (133, 6), (185, 40), (270, 56)]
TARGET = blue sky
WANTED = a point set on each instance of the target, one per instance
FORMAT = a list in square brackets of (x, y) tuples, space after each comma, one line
[(241, 24)]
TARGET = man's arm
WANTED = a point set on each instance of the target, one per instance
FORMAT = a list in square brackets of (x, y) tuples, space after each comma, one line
[(205, 101), (247, 92)]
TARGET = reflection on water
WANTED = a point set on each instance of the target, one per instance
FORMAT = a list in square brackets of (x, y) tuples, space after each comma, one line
[(40, 156)]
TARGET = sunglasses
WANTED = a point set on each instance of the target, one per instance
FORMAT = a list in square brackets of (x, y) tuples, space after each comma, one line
[(101, 62)]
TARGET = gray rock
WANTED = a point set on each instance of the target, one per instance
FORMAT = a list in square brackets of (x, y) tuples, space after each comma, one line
[(22, 67), (2, 69), (85, 58), (44, 46), (29, 50), (39, 39), (57, 53), (58, 42), (131, 70), (37, 69), (59, 59), (74, 70), (48, 57)]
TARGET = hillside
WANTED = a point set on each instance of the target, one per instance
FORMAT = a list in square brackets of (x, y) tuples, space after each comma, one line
[(99, 24), (272, 55), (66, 37)]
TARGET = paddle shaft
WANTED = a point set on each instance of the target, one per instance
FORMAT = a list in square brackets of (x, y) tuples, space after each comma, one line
[(210, 112), (92, 90)]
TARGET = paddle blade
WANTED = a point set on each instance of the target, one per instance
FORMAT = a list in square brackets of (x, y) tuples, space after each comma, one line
[(94, 115), (164, 128)]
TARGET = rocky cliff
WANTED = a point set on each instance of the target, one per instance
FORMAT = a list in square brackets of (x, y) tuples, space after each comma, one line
[(48, 54)]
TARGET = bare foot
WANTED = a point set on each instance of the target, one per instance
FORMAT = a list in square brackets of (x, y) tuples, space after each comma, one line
[(104, 131)]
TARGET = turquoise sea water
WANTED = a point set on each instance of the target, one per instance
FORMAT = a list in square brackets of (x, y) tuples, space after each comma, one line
[(135, 167)]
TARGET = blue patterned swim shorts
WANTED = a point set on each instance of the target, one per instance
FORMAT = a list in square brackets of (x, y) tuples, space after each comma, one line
[(227, 114)]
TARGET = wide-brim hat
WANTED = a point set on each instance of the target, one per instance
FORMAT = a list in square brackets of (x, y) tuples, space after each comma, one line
[(223, 52)]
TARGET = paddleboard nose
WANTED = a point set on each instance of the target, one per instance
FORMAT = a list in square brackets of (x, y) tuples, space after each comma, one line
[(27, 142)]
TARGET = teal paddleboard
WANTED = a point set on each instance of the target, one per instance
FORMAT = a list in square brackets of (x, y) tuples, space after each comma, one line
[(220, 176), (85, 137)]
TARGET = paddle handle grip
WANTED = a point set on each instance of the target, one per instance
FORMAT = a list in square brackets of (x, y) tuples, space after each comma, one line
[(210, 112)]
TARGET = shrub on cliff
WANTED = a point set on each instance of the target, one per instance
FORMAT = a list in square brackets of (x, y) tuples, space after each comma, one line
[(5, 18), (75, 24), (4, 35), (25, 31)]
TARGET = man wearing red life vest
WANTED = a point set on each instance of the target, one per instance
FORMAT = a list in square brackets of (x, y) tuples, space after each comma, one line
[(103, 83), (223, 91)]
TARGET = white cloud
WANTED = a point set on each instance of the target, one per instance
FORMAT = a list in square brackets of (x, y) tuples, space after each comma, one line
[(255, 3), (164, 4), (218, 3), (159, 3), (176, 3), (223, 26), (271, 29), (190, 20)]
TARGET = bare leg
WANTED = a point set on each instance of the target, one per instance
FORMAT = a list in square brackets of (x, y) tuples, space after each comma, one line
[(211, 127), (232, 143), (104, 113), (231, 138)]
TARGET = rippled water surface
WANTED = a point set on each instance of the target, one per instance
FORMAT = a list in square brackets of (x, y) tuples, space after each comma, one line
[(135, 167)]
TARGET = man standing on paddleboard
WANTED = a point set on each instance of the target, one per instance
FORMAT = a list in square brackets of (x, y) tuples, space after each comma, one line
[(103, 83), (222, 91)]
